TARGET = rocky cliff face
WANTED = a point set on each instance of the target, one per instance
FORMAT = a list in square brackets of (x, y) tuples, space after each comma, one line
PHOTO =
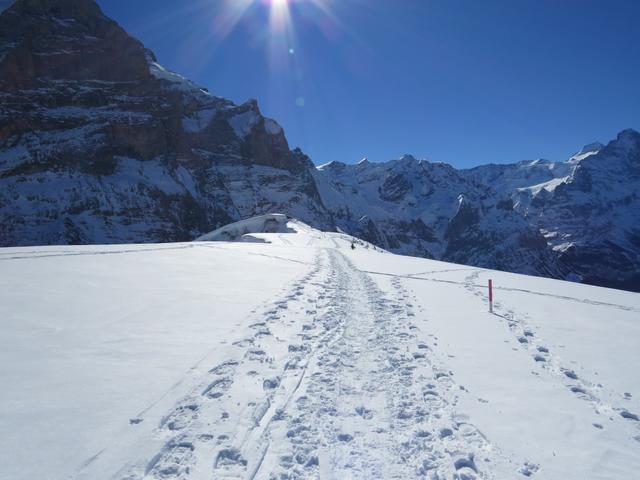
[(428, 209), (100, 144), (589, 212)]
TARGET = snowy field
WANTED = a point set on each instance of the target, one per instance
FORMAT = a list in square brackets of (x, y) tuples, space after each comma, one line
[(290, 355)]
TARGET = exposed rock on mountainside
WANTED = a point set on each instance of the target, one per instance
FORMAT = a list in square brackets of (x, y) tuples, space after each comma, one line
[(100, 144), (429, 209)]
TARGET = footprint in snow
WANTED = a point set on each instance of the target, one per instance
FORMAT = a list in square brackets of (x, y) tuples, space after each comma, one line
[(271, 383), (466, 463), (224, 368), (256, 355), (217, 388), (243, 343), (174, 462), (570, 373), (180, 417), (364, 413), (629, 416), (229, 457), (529, 469), (263, 332)]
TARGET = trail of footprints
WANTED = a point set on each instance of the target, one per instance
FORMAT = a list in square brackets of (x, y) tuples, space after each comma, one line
[(349, 387), (205, 425), (369, 351), (548, 360)]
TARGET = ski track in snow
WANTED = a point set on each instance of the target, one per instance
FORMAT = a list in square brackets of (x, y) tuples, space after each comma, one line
[(604, 400), (30, 255), (332, 383)]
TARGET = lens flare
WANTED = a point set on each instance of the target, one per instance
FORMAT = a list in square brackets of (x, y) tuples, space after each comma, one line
[(279, 16), (274, 27)]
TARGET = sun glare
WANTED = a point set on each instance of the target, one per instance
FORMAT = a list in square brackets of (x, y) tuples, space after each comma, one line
[(279, 17), (273, 23), (279, 12)]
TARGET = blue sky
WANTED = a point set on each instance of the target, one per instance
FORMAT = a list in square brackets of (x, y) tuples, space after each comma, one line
[(461, 81)]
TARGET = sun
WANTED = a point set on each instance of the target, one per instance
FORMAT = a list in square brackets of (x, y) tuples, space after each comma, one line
[(280, 16)]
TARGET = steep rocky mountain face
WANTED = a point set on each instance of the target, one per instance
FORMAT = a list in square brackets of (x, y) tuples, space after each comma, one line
[(100, 144), (429, 209), (588, 209), (577, 220)]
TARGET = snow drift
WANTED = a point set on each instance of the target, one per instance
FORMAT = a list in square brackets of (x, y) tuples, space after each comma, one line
[(239, 231)]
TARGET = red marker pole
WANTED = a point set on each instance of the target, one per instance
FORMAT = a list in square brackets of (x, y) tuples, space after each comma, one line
[(490, 296)]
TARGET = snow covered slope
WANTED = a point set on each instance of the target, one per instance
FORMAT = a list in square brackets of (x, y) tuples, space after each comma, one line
[(244, 230), (302, 358)]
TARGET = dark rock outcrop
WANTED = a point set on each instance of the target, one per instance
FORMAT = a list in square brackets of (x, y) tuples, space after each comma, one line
[(99, 143)]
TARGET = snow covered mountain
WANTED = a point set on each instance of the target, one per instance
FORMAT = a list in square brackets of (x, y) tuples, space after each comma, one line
[(297, 357), (100, 144), (431, 210), (587, 208), (576, 220)]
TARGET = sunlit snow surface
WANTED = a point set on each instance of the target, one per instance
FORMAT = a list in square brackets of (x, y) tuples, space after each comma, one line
[(290, 355)]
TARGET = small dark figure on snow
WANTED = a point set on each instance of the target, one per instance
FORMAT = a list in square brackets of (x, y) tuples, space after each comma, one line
[(353, 246)]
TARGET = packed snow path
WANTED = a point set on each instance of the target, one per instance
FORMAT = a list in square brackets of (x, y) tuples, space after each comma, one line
[(301, 358), (333, 383)]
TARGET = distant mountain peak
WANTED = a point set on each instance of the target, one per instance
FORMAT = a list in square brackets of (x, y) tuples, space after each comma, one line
[(592, 147), (629, 132), (627, 141), (629, 135), (587, 151), (408, 158), (334, 164)]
